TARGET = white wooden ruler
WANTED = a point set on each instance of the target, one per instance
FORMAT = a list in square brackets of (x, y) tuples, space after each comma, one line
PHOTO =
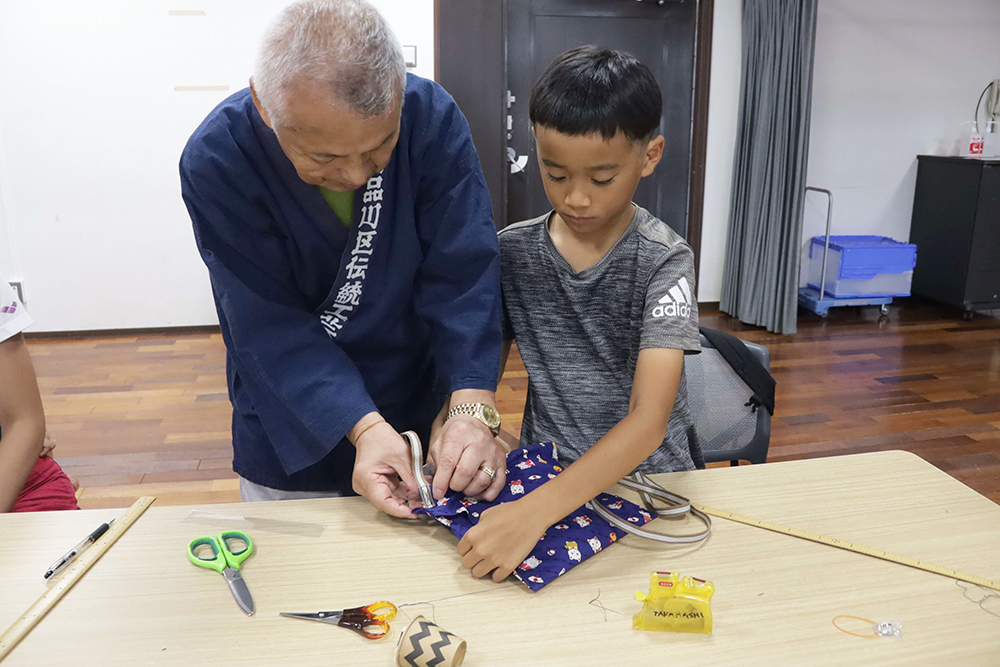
[(850, 546), (55, 591)]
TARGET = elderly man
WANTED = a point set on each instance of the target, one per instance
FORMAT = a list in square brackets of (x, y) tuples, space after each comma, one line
[(342, 213)]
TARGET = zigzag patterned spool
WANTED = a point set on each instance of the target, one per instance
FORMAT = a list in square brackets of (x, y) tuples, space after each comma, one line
[(424, 644)]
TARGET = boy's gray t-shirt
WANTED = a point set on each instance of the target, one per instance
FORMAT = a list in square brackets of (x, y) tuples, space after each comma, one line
[(579, 334)]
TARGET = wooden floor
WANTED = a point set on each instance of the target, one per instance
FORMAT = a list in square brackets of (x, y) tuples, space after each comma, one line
[(149, 414)]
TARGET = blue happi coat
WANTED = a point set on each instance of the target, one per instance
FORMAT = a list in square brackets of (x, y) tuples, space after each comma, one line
[(324, 324)]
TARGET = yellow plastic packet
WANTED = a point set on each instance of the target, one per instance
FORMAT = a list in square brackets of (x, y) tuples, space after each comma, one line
[(675, 604)]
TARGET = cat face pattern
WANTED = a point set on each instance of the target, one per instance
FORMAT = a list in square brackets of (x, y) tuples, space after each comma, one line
[(572, 540)]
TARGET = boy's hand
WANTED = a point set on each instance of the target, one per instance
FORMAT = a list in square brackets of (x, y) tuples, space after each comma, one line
[(502, 539), (460, 450)]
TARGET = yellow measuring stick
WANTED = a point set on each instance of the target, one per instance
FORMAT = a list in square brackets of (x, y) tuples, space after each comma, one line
[(29, 619), (850, 546)]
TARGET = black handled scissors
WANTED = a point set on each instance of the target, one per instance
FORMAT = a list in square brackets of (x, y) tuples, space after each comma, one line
[(369, 620)]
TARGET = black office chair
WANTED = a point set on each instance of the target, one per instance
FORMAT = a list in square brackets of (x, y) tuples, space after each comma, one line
[(729, 428)]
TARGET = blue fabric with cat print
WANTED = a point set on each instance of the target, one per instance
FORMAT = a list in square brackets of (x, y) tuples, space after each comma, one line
[(565, 544)]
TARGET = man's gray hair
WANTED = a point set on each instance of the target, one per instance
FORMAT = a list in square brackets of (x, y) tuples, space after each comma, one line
[(344, 45)]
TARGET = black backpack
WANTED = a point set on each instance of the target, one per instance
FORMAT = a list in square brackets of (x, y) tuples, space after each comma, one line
[(742, 360)]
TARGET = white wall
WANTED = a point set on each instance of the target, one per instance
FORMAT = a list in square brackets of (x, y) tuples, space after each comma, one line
[(723, 112), (7, 269), (893, 79), (91, 129)]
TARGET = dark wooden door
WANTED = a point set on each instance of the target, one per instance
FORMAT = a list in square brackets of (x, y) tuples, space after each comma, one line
[(487, 48), (661, 36)]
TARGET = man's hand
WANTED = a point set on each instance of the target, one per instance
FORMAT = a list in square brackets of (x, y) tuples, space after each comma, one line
[(502, 539), (382, 470), (459, 450)]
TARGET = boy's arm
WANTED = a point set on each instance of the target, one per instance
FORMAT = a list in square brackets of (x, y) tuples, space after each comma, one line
[(506, 534), (22, 419)]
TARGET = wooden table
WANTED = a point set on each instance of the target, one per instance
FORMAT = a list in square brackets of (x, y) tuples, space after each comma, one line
[(144, 604)]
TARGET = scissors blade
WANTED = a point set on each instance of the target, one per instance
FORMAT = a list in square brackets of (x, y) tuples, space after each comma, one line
[(321, 616), (239, 589)]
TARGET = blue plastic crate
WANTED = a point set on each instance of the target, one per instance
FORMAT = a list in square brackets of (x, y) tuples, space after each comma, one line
[(863, 266)]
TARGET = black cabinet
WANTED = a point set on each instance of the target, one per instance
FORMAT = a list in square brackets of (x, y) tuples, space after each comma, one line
[(956, 227)]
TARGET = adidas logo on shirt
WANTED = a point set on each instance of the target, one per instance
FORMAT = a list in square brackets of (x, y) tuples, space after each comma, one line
[(677, 301)]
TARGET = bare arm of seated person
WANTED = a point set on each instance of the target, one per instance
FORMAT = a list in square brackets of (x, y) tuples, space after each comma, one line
[(22, 419), (507, 533)]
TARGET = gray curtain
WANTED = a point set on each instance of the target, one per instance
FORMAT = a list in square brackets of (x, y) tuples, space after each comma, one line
[(761, 276)]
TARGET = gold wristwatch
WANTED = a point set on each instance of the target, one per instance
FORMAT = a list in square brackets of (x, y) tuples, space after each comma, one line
[(481, 411)]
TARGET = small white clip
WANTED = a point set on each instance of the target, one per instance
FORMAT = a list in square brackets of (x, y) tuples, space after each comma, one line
[(888, 628)]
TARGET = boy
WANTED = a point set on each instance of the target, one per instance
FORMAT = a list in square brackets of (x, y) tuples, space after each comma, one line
[(599, 295)]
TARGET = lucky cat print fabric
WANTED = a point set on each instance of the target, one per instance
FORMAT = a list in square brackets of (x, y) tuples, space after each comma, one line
[(564, 545)]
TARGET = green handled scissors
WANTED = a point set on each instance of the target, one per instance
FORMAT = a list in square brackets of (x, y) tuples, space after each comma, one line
[(227, 562)]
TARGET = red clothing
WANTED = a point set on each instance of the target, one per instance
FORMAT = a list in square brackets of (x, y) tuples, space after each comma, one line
[(47, 489)]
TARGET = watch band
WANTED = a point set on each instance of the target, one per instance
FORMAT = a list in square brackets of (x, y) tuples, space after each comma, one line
[(475, 410)]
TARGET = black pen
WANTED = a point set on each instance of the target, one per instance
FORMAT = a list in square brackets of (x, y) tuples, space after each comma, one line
[(78, 549)]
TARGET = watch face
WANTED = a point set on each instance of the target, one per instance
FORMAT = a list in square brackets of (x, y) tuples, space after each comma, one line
[(491, 416)]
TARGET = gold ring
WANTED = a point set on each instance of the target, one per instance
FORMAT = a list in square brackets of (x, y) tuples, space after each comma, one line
[(489, 471)]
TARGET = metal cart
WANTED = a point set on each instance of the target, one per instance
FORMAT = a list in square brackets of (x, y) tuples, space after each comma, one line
[(821, 303)]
